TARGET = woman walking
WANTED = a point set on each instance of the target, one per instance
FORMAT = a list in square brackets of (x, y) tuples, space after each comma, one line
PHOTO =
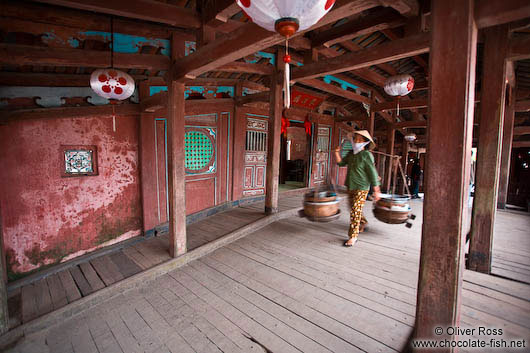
[(360, 175)]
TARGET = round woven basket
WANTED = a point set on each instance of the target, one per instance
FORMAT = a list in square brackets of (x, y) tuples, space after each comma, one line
[(384, 213), (321, 209)]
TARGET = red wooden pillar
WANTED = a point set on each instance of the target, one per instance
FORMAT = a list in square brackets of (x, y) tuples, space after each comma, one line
[(391, 137), (273, 151), (489, 146), (176, 160), (4, 313), (451, 97), (507, 137)]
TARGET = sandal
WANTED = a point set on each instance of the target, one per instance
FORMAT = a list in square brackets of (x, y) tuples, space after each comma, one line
[(346, 244)]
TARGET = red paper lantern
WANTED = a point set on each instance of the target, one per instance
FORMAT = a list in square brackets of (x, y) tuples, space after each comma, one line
[(307, 125)]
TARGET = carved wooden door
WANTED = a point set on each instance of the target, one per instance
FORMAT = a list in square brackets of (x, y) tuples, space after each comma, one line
[(254, 171), (321, 155)]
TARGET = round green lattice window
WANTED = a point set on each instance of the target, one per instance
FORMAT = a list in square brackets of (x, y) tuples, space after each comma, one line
[(198, 149)]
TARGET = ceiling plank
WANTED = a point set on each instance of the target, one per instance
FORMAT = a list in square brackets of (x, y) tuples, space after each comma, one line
[(13, 54), (494, 12), (376, 21), (522, 106), (519, 48), (148, 10), (251, 38), (392, 35), (395, 50), (351, 46), (60, 19)]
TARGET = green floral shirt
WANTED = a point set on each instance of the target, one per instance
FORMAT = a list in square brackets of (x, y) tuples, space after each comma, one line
[(361, 170)]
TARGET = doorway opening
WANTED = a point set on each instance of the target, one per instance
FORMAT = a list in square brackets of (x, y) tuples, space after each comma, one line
[(294, 158)]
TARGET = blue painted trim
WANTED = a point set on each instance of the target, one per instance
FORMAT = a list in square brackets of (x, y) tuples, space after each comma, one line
[(126, 43), (343, 84), (296, 121), (227, 157), (258, 115), (157, 89), (167, 172)]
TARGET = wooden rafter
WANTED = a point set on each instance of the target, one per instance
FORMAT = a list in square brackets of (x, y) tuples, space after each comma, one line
[(329, 88), (261, 69), (251, 38), (520, 144), (154, 11), (521, 130), (379, 20), (391, 34), (395, 50), (490, 13)]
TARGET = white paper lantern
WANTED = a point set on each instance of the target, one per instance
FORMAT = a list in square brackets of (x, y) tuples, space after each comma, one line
[(269, 14), (410, 137), (399, 85), (112, 84)]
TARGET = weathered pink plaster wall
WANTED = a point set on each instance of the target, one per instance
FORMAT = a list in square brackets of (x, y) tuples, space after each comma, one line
[(48, 218)]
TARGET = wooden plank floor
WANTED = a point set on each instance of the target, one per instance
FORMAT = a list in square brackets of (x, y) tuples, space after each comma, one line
[(289, 287), (511, 246), (52, 292)]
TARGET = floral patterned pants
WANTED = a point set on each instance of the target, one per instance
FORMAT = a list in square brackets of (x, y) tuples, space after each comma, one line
[(356, 200)]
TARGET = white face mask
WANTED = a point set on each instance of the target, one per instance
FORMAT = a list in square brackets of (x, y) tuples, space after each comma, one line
[(358, 147)]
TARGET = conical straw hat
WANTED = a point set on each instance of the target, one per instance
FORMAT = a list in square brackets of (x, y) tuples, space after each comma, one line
[(366, 134)]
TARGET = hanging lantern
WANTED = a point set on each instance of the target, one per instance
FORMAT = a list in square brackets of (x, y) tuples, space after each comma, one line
[(399, 86), (285, 125), (307, 125), (410, 137), (112, 84), (285, 17)]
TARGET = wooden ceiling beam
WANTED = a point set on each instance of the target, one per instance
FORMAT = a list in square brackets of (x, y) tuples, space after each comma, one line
[(376, 21), (351, 46), (490, 13), (403, 104), (38, 18), (351, 118), (13, 54), (218, 10), (251, 38), (236, 66), (125, 109), (522, 106), (25, 79), (395, 50), (154, 11), (329, 88), (409, 124), (392, 35), (521, 130), (520, 144), (253, 98)]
